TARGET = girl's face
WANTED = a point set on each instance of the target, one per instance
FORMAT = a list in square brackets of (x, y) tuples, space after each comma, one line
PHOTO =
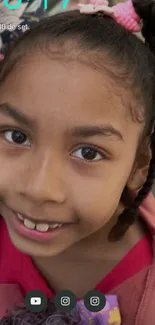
[(67, 148)]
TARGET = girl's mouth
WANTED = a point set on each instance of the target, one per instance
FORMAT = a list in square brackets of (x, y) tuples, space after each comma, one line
[(38, 231), (43, 227)]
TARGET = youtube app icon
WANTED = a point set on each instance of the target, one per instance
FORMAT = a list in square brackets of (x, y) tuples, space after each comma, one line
[(36, 301)]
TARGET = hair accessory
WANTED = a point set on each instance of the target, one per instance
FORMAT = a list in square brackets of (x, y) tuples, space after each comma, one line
[(123, 13), (1, 57)]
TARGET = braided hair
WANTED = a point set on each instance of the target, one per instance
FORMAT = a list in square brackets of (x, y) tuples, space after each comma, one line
[(146, 10), (109, 47), (128, 216)]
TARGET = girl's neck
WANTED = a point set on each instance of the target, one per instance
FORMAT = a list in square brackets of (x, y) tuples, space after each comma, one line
[(70, 269)]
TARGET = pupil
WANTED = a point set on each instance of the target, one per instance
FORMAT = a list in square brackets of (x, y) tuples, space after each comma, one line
[(88, 153), (18, 137)]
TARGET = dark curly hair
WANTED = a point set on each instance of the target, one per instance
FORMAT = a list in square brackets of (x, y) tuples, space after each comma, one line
[(100, 41), (49, 316)]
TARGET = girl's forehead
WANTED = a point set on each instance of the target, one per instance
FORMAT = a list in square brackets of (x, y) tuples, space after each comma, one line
[(70, 92)]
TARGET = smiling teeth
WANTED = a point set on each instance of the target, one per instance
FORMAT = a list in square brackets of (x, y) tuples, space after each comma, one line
[(43, 227), (29, 224), (55, 225), (20, 216)]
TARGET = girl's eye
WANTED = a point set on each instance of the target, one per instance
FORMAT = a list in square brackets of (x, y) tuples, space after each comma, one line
[(88, 153), (16, 137)]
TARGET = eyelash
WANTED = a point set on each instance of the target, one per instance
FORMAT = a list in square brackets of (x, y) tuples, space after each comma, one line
[(8, 128), (105, 156)]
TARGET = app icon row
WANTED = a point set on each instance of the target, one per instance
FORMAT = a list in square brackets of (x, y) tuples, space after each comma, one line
[(36, 301)]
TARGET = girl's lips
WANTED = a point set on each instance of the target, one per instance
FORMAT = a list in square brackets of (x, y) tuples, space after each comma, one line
[(19, 226), (36, 220)]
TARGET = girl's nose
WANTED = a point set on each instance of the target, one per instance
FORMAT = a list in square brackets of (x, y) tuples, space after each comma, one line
[(44, 183)]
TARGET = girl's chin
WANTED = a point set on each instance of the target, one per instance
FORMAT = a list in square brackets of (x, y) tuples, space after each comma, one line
[(33, 248)]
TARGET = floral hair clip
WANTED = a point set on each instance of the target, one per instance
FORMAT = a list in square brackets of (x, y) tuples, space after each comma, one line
[(123, 13)]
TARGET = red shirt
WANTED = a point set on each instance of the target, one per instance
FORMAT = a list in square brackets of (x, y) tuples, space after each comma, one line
[(16, 267)]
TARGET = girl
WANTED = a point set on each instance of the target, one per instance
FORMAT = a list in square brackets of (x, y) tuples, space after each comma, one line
[(77, 156)]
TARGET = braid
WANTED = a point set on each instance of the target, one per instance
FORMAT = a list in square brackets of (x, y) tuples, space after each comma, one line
[(129, 215)]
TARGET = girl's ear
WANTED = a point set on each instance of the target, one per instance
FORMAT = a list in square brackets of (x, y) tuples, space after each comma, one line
[(139, 173)]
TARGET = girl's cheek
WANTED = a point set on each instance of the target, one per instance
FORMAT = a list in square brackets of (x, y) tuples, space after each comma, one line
[(12, 171), (95, 205)]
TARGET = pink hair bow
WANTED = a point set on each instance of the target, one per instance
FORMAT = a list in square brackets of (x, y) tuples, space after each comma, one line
[(123, 13), (1, 57)]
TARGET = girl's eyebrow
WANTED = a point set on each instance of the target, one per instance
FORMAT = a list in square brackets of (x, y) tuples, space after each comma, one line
[(78, 131), (9, 110), (96, 130)]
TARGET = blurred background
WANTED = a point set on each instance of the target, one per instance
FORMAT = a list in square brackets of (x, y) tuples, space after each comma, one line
[(15, 22)]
